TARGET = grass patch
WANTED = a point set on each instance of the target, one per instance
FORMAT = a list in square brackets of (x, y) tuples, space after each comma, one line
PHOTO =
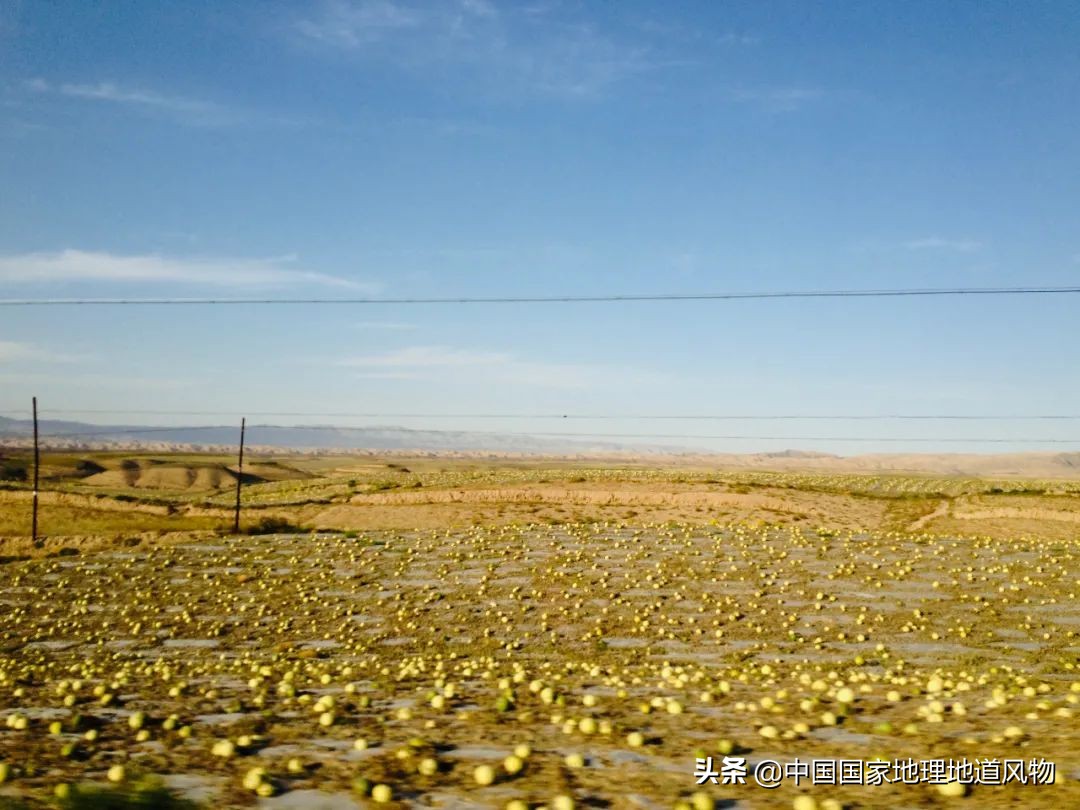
[(382, 486), (147, 796), (63, 520)]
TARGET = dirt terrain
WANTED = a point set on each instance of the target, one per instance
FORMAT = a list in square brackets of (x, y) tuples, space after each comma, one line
[(529, 633), (112, 494)]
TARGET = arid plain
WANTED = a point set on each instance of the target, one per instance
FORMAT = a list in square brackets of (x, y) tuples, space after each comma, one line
[(514, 632)]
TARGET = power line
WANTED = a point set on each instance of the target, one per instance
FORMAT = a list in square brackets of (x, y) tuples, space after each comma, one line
[(996, 440), (562, 434), (556, 299), (121, 431), (568, 416)]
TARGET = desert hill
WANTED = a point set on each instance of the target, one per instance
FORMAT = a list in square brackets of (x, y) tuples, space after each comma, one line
[(374, 440)]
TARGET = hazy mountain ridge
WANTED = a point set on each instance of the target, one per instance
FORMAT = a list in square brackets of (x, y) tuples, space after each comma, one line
[(302, 437), (383, 439)]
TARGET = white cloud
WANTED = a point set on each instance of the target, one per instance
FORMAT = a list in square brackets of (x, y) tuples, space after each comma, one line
[(776, 99), (466, 365), (90, 383), (184, 110), (731, 38), (191, 111), (349, 25), (12, 352), (429, 357), (481, 8), (107, 91), (505, 49), (683, 34), (941, 243), (395, 326), (80, 265), (390, 375)]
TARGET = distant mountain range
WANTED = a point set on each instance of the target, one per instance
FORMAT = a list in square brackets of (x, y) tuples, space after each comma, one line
[(56, 434), (79, 435)]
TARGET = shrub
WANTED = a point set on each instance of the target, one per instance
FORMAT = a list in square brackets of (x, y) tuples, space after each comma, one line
[(13, 471), (272, 524)]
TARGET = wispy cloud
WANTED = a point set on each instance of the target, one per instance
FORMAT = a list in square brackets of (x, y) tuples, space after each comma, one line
[(777, 99), (942, 243), (350, 25), (442, 362), (192, 112), (389, 326), (732, 38), (107, 91), (12, 352), (430, 357), (667, 27), (93, 382), (481, 8), (504, 48), (80, 265)]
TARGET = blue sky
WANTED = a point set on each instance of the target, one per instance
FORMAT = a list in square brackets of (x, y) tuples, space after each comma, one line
[(391, 148)]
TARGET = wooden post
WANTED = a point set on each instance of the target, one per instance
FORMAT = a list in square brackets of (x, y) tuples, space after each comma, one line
[(37, 464), (239, 477)]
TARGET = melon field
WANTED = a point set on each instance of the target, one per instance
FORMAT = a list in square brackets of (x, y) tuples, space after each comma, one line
[(516, 659)]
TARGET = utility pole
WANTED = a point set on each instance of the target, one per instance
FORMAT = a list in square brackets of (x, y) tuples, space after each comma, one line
[(239, 477), (37, 464)]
